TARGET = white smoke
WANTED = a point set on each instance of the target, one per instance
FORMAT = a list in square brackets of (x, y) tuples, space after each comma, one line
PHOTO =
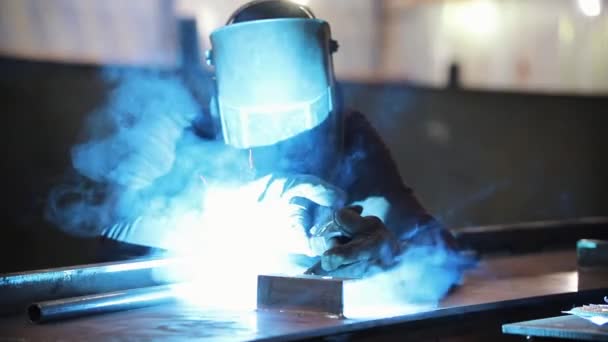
[(184, 195)]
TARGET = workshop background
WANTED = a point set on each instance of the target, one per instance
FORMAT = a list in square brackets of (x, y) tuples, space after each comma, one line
[(495, 110)]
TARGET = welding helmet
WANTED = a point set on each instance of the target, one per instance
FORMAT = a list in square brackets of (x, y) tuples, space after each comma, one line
[(275, 87)]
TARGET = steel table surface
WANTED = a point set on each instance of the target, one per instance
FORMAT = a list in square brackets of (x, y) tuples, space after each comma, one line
[(563, 327), (515, 281)]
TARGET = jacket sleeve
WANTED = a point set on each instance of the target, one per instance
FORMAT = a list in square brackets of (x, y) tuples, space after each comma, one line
[(369, 170)]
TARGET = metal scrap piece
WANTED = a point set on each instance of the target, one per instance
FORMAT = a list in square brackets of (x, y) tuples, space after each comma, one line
[(304, 293)]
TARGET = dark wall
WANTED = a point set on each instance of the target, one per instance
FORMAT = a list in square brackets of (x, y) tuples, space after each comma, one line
[(43, 107), (479, 158), (473, 157)]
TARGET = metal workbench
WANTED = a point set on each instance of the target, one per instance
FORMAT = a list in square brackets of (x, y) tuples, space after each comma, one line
[(498, 288)]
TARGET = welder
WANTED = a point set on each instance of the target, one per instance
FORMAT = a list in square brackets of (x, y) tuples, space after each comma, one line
[(276, 102), (277, 95)]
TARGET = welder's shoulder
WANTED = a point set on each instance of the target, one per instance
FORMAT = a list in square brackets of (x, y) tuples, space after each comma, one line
[(361, 139), (355, 120), (368, 166), (359, 129)]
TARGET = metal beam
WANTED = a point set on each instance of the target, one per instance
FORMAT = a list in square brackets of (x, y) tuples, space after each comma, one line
[(305, 293)]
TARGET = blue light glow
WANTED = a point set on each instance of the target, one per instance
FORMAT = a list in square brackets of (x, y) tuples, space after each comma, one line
[(236, 239), (188, 198)]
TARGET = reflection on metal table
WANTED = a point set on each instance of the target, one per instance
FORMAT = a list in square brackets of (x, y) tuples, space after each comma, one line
[(499, 291), (562, 327)]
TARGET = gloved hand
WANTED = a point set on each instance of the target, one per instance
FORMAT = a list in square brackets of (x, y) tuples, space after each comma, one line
[(355, 242), (305, 201)]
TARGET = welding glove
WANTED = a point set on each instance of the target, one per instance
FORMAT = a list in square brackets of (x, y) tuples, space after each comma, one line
[(357, 242), (303, 199)]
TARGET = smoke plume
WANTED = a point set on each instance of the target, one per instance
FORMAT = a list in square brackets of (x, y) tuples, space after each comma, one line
[(144, 176)]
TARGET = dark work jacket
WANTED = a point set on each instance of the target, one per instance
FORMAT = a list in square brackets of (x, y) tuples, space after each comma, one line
[(368, 169)]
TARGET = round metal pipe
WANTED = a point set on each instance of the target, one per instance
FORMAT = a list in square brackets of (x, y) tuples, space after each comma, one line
[(74, 307), (23, 288)]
